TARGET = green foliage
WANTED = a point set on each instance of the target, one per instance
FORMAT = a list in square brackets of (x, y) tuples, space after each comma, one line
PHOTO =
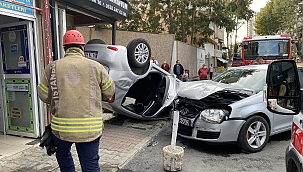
[(187, 19), (278, 16)]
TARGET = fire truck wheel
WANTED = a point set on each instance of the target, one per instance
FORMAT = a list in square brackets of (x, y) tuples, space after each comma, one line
[(254, 134)]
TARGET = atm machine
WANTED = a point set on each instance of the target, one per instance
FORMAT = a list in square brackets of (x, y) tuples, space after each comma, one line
[(19, 102)]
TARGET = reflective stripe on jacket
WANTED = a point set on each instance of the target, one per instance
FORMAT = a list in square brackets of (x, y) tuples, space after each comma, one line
[(74, 86), (71, 125)]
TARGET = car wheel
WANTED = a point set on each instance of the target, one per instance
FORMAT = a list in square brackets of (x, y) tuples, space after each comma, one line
[(96, 41), (292, 162), (293, 167), (254, 134), (138, 53)]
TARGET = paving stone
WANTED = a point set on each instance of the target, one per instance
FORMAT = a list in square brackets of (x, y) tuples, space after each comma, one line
[(118, 144)]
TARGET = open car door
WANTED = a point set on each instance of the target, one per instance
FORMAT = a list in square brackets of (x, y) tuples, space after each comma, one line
[(283, 93), (162, 104)]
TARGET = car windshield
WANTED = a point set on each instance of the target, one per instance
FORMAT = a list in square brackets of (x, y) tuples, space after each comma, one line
[(267, 49), (244, 78)]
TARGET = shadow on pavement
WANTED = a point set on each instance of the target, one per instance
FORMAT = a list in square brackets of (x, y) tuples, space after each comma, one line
[(224, 149), (285, 136), (215, 149)]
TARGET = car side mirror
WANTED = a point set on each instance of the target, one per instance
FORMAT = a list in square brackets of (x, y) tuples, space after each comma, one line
[(282, 93)]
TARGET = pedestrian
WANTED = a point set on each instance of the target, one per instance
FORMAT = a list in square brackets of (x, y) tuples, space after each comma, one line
[(153, 60), (203, 72), (211, 70), (165, 66), (178, 70), (185, 75), (74, 87)]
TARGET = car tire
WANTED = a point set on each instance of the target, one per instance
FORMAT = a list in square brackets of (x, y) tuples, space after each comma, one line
[(254, 134), (138, 53), (95, 41), (292, 160), (293, 167)]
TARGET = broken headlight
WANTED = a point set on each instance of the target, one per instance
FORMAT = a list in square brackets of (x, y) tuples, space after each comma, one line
[(214, 115)]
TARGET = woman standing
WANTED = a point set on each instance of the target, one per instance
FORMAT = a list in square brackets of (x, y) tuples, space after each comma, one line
[(203, 72)]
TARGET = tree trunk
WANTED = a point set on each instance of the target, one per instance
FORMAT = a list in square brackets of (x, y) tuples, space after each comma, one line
[(193, 26), (171, 20), (229, 53), (182, 25)]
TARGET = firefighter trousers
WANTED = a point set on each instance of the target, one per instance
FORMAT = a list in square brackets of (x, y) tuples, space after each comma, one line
[(88, 153)]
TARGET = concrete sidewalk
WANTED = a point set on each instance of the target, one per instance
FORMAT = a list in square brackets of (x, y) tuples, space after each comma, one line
[(122, 138)]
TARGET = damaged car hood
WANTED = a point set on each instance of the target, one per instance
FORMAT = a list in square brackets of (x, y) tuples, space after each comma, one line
[(200, 89)]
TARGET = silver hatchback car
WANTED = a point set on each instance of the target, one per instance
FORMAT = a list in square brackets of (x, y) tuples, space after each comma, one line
[(230, 109)]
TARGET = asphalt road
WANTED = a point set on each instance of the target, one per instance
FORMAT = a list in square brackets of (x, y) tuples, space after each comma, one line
[(200, 157)]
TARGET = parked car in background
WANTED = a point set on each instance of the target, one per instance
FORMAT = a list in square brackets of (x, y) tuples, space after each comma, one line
[(143, 89), (230, 109)]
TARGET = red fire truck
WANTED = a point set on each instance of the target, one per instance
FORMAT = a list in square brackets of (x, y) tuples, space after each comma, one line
[(271, 47)]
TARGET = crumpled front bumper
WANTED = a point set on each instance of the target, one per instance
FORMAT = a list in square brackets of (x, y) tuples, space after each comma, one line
[(227, 131)]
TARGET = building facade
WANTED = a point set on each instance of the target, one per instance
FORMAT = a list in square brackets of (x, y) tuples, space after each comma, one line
[(31, 33), (20, 32)]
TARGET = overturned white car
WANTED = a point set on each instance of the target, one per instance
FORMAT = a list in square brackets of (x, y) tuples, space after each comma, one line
[(143, 89)]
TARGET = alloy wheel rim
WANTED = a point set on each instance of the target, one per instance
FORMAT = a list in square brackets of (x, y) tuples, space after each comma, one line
[(141, 53), (256, 134)]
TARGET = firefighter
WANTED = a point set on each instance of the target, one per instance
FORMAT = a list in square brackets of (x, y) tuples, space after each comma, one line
[(74, 87)]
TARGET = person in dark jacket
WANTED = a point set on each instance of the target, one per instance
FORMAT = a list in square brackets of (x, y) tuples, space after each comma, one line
[(178, 70)]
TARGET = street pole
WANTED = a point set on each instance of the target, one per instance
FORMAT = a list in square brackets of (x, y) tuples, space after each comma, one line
[(47, 37), (173, 155)]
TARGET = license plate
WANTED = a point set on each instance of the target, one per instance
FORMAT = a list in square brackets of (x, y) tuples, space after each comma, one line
[(184, 121), (91, 54)]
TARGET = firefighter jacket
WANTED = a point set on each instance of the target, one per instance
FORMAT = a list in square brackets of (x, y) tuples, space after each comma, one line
[(74, 86)]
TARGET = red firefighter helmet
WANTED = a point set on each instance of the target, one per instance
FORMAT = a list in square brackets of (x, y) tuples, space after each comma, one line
[(73, 37)]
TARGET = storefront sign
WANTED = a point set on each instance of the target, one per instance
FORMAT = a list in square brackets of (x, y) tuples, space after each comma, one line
[(209, 49), (16, 112), (218, 53), (116, 6), (200, 58), (17, 87), (18, 8)]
